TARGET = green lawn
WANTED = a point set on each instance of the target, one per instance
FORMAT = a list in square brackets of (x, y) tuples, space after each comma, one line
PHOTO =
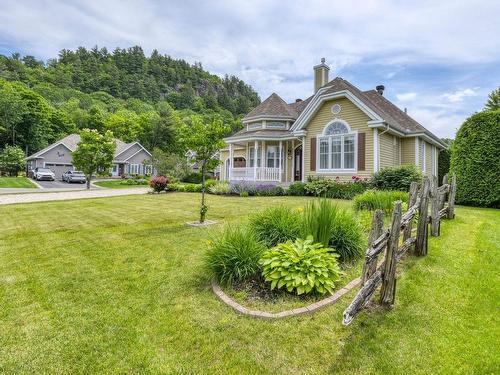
[(116, 285), (16, 182), (117, 184)]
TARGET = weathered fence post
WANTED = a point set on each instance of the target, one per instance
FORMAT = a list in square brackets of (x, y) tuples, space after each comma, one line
[(423, 218), (377, 228), (451, 198), (435, 221), (388, 290), (411, 203)]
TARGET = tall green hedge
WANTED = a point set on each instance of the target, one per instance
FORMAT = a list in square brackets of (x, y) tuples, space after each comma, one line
[(475, 160)]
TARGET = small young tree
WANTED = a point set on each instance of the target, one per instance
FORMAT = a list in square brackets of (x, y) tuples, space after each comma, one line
[(94, 152), (12, 160), (205, 140)]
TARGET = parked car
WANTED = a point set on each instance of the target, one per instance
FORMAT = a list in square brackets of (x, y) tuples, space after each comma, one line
[(74, 176), (43, 174)]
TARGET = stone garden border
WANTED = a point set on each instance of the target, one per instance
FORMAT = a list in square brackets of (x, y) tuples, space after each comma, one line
[(283, 314)]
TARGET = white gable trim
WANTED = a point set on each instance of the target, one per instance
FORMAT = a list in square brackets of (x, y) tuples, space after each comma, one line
[(141, 149), (319, 99), (41, 152), (128, 148)]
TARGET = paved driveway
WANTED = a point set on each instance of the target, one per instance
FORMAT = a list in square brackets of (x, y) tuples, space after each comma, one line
[(67, 195), (59, 184)]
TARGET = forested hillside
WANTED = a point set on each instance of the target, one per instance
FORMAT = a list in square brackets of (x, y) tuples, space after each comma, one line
[(137, 97)]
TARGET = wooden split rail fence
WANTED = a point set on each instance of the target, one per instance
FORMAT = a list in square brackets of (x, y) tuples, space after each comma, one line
[(442, 200)]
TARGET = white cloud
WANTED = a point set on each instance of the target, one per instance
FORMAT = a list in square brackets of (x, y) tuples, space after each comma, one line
[(459, 95), (406, 97), (272, 46)]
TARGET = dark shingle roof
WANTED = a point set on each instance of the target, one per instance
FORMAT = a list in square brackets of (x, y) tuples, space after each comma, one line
[(389, 112), (273, 106)]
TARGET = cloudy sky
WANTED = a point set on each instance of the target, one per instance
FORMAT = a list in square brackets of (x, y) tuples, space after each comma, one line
[(440, 59)]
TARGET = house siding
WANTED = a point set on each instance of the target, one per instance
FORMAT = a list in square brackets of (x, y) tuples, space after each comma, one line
[(388, 150), (128, 153), (356, 119), (408, 151), (428, 159)]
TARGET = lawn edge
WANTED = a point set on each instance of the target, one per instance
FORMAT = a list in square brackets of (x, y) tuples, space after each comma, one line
[(309, 309)]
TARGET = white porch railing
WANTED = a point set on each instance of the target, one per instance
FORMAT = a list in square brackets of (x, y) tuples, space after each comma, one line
[(256, 174)]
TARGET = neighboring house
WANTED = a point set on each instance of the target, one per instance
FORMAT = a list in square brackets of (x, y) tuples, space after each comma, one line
[(340, 131), (130, 158)]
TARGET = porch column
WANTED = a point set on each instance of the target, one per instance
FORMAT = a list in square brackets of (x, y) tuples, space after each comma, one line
[(262, 159), (231, 158), (255, 148), (303, 169), (279, 160)]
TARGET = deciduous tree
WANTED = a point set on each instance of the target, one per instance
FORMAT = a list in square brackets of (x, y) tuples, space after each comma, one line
[(94, 152)]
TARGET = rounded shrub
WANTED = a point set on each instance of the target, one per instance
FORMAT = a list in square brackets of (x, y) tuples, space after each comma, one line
[(396, 178), (158, 183), (297, 189), (475, 160), (276, 225), (234, 256)]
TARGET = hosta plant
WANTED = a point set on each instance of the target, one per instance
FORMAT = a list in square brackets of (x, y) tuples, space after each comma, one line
[(301, 266)]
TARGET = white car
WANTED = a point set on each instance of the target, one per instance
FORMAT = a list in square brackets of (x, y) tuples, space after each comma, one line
[(44, 174)]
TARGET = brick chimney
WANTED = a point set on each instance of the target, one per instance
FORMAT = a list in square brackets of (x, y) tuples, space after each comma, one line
[(320, 75)]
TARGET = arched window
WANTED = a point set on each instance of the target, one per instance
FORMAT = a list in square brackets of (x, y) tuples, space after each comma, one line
[(336, 127), (337, 147)]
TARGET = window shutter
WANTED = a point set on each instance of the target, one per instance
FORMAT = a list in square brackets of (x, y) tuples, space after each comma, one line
[(361, 151), (313, 154)]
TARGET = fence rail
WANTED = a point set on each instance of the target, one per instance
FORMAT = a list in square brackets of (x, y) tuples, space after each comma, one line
[(384, 274)]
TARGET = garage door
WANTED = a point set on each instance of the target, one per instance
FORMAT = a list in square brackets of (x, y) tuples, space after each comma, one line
[(59, 169)]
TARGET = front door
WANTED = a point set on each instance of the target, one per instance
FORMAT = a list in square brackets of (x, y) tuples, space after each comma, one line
[(121, 169), (297, 164)]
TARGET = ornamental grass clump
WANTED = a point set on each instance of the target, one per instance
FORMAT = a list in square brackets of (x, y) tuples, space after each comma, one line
[(333, 227), (234, 256), (220, 188), (275, 225), (379, 200), (301, 266)]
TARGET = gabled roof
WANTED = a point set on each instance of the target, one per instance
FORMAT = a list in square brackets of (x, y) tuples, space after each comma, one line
[(71, 142), (272, 107), (381, 107)]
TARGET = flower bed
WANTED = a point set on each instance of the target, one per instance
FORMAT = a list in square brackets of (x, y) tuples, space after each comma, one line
[(287, 258)]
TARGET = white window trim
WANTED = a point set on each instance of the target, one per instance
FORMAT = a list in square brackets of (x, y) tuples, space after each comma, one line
[(350, 132), (132, 167), (423, 157), (259, 156), (276, 155)]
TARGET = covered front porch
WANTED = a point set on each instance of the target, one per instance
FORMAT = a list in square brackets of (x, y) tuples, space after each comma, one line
[(263, 160)]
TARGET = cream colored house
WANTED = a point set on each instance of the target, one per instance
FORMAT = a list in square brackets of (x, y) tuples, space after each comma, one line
[(340, 131)]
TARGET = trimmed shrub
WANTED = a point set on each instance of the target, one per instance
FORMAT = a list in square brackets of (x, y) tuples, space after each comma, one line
[(396, 178), (297, 189), (192, 178), (275, 225), (444, 158), (301, 266), (244, 194), (234, 256), (379, 200), (333, 227), (475, 160), (324, 187), (158, 183), (220, 188)]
